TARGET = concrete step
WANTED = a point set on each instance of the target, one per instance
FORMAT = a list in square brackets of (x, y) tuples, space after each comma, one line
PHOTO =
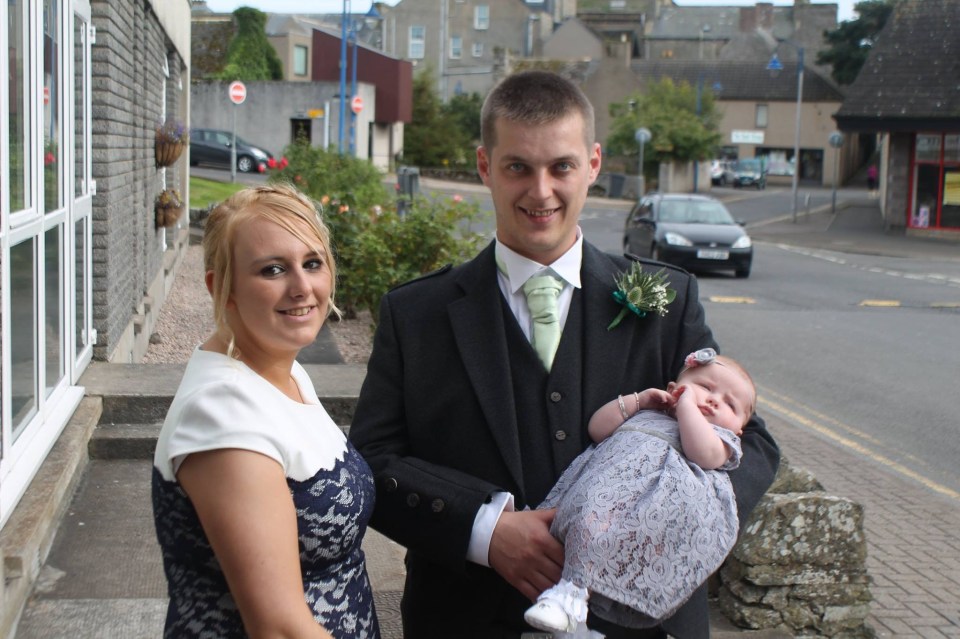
[(123, 441)]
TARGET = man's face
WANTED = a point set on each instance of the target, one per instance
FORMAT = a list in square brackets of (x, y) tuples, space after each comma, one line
[(538, 176)]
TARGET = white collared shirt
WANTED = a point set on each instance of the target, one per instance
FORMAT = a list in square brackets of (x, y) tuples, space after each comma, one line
[(518, 270)]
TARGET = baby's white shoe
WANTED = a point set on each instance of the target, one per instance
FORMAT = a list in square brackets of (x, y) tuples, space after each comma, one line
[(549, 615), (560, 608)]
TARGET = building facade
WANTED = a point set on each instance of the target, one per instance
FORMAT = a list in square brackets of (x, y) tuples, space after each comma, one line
[(907, 94), (85, 265)]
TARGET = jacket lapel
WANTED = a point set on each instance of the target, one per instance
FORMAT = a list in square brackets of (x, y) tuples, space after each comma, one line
[(604, 351), (477, 321)]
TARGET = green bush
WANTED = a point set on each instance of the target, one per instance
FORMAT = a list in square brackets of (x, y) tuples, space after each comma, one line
[(376, 248)]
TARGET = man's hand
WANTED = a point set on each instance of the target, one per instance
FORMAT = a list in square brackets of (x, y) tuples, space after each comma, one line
[(523, 551)]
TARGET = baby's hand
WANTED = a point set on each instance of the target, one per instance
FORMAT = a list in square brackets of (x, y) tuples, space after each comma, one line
[(656, 399)]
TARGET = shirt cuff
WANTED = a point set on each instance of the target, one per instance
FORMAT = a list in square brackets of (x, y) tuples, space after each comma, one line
[(478, 550)]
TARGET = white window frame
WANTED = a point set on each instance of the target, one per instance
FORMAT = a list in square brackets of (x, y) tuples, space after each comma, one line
[(456, 47), (762, 116), (477, 49), (417, 42), (481, 17), (298, 48)]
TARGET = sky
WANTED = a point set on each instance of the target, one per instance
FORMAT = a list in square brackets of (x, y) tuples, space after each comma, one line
[(844, 8)]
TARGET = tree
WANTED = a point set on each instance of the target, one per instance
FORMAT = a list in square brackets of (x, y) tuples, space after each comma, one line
[(464, 110), (850, 43), (433, 138), (670, 112), (251, 56)]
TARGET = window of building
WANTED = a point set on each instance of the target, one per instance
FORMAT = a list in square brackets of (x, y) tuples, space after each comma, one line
[(761, 119), (936, 168), (300, 60), (417, 42), (477, 49), (481, 17), (456, 47)]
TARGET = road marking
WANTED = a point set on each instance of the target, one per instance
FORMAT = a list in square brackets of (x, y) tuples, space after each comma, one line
[(881, 303), (945, 305), (934, 278), (795, 417), (723, 299)]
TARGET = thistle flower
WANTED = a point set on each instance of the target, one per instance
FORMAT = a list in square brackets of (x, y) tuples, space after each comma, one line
[(640, 293)]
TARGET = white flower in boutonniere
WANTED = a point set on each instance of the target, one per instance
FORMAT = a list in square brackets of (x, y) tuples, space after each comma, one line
[(641, 293)]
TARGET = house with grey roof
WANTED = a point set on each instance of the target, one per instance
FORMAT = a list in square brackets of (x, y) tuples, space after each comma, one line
[(908, 93)]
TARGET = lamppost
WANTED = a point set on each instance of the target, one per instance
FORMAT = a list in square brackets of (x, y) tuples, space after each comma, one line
[(775, 67), (343, 74), (836, 141), (642, 136), (717, 87)]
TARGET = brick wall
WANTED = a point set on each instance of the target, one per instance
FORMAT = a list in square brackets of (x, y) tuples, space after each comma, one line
[(128, 87)]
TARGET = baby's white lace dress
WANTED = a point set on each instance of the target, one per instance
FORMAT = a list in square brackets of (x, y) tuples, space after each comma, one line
[(643, 527)]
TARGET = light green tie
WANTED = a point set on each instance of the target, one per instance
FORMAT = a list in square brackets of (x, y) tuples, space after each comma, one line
[(542, 293)]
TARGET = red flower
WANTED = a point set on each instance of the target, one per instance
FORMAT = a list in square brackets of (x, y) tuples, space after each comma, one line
[(261, 167), (272, 163), (49, 158), (283, 162)]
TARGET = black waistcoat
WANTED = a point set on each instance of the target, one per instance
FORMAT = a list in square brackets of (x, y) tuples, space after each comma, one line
[(550, 420)]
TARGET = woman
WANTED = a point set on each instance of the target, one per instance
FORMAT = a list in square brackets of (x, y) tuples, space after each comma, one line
[(259, 501)]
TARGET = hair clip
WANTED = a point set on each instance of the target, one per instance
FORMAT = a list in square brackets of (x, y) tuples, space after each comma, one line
[(700, 358)]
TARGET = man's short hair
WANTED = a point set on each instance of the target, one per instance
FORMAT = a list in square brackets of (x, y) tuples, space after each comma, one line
[(534, 97)]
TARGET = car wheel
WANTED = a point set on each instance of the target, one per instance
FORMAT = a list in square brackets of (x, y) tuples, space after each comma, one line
[(626, 246), (742, 272), (723, 180), (244, 164), (656, 253)]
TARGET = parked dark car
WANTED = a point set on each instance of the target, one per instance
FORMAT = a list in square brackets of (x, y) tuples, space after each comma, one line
[(695, 232), (212, 147), (749, 172)]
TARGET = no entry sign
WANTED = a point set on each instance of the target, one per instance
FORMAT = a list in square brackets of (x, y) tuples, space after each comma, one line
[(356, 104), (237, 92)]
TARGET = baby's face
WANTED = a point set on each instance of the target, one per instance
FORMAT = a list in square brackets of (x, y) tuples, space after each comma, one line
[(723, 395)]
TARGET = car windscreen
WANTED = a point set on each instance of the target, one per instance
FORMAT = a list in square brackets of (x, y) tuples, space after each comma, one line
[(695, 213), (749, 165)]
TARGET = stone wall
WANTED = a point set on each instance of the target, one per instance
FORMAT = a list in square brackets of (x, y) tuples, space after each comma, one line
[(800, 563)]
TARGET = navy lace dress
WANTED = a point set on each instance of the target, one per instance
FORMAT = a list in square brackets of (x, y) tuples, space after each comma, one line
[(333, 508)]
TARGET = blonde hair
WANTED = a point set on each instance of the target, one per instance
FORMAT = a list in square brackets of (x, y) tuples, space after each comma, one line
[(281, 204)]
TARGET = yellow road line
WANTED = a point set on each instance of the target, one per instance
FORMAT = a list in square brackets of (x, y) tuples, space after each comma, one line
[(945, 305), (881, 303), (846, 442), (722, 299)]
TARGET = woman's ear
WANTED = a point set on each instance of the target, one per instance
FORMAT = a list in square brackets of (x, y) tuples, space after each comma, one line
[(208, 280)]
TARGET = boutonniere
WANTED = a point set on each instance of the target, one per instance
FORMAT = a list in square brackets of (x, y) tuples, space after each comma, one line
[(640, 293)]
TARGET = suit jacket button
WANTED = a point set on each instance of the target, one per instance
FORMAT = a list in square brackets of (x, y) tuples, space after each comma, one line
[(413, 500), (555, 397), (437, 505), (390, 484), (560, 435)]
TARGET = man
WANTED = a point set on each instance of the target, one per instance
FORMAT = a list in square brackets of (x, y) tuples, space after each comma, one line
[(467, 425)]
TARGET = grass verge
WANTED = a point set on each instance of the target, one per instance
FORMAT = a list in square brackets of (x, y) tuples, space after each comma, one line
[(205, 192)]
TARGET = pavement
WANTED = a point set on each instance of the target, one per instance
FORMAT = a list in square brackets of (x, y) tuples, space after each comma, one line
[(103, 577)]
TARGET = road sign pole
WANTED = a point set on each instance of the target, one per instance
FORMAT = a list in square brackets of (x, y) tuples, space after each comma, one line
[(233, 148)]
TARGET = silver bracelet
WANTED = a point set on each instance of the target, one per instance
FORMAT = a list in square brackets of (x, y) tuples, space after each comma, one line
[(623, 409)]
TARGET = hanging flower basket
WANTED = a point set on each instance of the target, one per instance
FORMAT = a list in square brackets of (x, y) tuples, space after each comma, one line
[(167, 207), (170, 138), (167, 153)]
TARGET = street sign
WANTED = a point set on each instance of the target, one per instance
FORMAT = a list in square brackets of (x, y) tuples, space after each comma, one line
[(237, 92), (836, 139), (356, 104), (315, 113), (642, 135)]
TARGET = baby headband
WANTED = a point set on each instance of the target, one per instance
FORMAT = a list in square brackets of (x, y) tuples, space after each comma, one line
[(700, 358)]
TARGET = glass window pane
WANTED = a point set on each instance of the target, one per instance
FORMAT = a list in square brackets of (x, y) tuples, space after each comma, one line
[(761, 116), (53, 308), (928, 194), (928, 148), (23, 337), (79, 107), (951, 148), (300, 60), (52, 198), (80, 284), (20, 152)]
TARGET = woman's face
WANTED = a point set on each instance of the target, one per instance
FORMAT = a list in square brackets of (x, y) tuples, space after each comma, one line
[(280, 293)]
